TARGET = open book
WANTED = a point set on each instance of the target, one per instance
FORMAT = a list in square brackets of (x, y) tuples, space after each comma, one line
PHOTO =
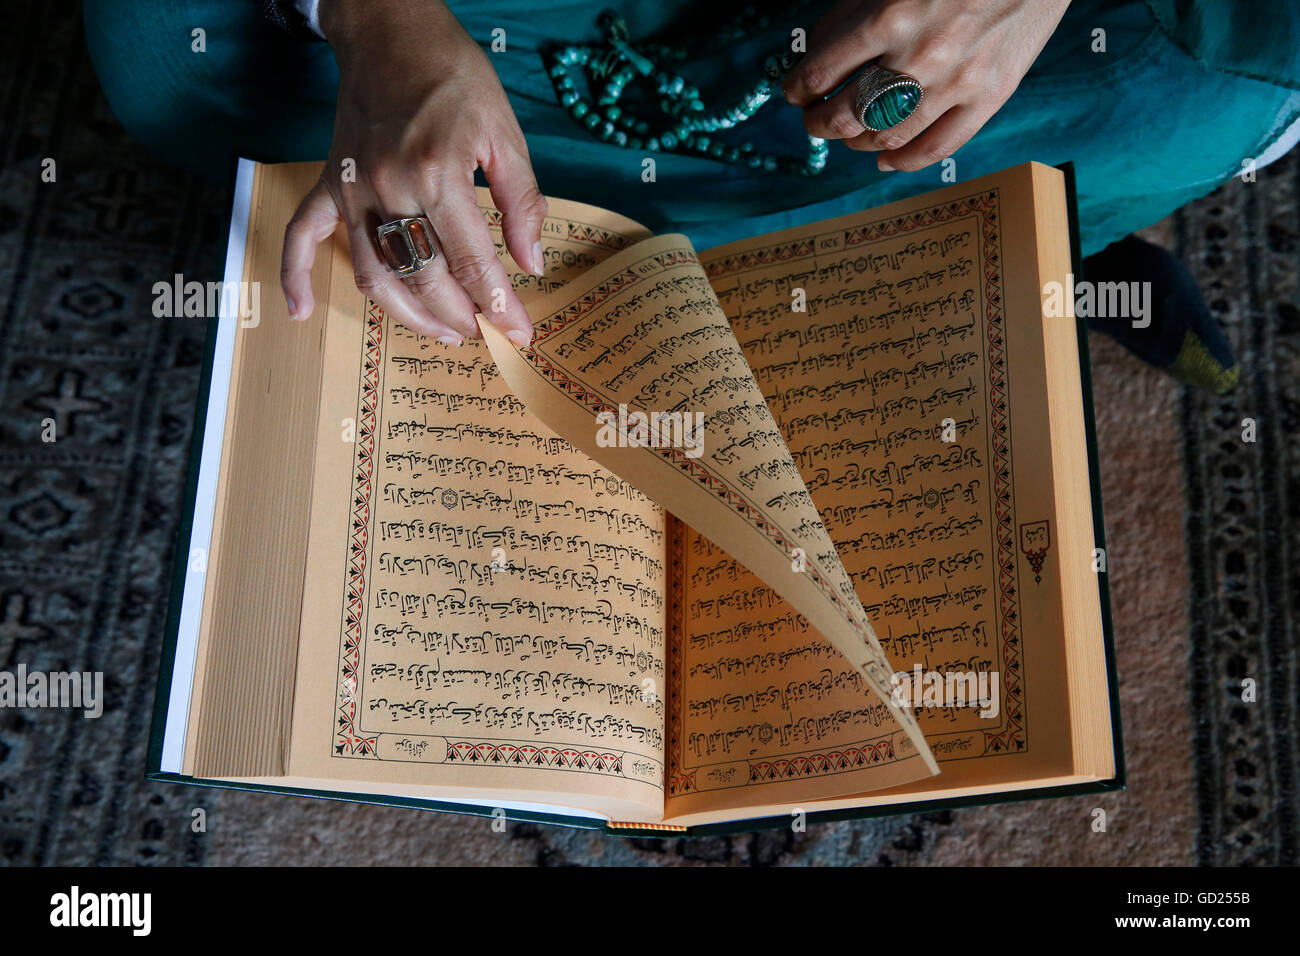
[(805, 523)]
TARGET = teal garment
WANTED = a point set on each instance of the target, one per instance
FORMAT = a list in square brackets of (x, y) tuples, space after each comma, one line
[(252, 90), (1150, 123), (1255, 38)]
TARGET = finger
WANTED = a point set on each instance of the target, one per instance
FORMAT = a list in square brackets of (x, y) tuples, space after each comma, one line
[(313, 222), (846, 38), (933, 105), (523, 208), (837, 117), (473, 261), (386, 290), (944, 137), (442, 295)]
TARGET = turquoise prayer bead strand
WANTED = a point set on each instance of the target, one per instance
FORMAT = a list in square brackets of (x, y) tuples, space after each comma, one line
[(688, 120)]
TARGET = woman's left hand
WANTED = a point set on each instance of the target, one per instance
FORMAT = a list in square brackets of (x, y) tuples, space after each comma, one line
[(969, 55)]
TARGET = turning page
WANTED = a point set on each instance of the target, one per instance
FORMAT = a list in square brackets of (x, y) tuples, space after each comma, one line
[(636, 364)]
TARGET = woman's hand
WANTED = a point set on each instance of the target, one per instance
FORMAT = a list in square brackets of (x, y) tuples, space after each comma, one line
[(419, 109), (970, 56)]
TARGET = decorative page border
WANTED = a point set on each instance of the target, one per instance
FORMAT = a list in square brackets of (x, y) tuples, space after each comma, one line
[(349, 739), (679, 780), (1013, 736), (583, 232)]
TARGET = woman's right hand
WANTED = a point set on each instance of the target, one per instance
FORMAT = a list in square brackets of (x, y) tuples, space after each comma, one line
[(419, 109)]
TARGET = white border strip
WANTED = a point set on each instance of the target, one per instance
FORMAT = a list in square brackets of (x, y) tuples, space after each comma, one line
[(205, 495)]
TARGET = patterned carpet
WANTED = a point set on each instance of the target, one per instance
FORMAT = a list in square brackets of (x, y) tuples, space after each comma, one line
[(1203, 530), (1243, 522)]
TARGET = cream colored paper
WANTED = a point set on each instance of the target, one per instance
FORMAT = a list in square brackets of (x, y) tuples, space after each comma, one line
[(883, 343), (644, 332), (501, 622)]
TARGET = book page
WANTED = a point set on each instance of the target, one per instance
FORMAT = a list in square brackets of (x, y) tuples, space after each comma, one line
[(636, 364), (484, 605), (884, 344)]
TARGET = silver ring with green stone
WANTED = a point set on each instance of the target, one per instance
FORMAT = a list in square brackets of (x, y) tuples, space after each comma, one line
[(886, 98)]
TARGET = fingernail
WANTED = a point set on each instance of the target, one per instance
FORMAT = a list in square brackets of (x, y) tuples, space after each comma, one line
[(519, 337), (450, 339), (293, 307), (538, 265), (884, 165)]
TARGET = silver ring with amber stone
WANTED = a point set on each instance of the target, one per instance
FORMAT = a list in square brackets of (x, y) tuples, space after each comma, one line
[(407, 245)]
